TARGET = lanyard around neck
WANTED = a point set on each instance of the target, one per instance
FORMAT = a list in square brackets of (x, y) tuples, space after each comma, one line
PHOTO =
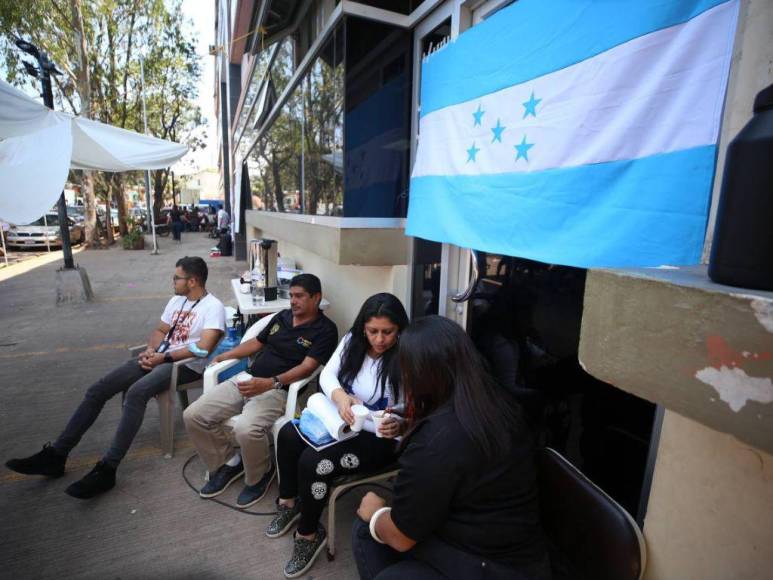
[(180, 314)]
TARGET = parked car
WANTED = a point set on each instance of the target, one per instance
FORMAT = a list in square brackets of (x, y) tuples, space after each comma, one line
[(76, 212), (35, 234)]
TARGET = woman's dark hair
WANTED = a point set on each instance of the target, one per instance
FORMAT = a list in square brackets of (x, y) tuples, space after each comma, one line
[(379, 305), (194, 267), (438, 363)]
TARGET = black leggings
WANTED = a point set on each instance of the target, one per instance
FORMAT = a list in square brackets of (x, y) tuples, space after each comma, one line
[(307, 473)]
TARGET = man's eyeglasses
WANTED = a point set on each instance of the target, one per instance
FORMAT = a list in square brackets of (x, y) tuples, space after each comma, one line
[(177, 278)]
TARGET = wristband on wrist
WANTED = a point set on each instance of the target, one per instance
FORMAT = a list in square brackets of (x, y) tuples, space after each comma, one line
[(373, 521)]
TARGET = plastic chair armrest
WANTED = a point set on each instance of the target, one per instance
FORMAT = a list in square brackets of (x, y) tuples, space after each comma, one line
[(294, 389), (212, 372), (135, 351)]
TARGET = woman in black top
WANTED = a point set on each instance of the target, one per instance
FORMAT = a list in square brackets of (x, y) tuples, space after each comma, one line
[(465, 500)]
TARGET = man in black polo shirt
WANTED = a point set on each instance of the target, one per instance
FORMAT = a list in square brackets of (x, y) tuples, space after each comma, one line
[(289, 348)]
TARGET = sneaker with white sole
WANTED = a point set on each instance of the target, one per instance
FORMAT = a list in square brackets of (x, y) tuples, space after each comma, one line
[(305, 552)]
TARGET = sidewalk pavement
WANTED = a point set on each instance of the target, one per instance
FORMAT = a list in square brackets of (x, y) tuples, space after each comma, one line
[(152, 524)]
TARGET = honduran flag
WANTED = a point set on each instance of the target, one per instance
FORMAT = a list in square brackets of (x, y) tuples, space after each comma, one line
[(575, 132)]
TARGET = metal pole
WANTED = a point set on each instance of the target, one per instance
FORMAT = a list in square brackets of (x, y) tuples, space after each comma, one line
[(45, 66), (2, 236), (45, 234), (150, 206)]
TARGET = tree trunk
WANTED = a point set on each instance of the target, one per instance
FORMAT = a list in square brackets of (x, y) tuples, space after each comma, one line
[(159, 185), (90, 203), (120, 201), (278, 193), (83, 86), (108, 220)]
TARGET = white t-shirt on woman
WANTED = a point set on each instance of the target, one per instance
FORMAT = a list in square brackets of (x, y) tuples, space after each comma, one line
[(366, 386)]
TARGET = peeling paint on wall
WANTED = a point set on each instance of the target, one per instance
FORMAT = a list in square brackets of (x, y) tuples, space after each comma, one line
[(763, 310), (735, 387)]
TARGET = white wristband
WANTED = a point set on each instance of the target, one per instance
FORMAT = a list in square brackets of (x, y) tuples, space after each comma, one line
[(373, 520)]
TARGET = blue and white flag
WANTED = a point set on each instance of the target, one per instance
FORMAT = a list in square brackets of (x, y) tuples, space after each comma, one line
[(575, 132)]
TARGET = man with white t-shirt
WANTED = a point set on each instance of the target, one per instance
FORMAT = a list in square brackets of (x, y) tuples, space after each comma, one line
[(223, 219), (191, 325)]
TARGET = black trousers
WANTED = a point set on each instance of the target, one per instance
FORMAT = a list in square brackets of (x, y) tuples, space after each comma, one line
[(140, 386), (431, 559), (306, 472)]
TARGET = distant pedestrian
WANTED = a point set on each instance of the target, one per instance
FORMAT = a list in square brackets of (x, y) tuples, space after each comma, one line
[(176, 219), (223, 219)]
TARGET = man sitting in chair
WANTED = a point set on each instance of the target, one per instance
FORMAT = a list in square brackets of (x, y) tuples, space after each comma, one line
[(192, 323), (289, 349)]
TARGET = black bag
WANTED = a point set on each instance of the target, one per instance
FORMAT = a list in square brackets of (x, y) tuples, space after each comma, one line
[(225, 245)]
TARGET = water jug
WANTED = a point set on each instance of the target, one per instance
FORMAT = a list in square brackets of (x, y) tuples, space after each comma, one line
[(742, 249)]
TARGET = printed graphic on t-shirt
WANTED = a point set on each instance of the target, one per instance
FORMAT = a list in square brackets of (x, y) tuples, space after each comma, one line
[(182, 331)]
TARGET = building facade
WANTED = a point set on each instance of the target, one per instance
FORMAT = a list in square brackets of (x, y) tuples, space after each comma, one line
[(318, 105)]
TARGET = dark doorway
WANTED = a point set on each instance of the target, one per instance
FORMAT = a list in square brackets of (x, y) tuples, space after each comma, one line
[(525, 318)]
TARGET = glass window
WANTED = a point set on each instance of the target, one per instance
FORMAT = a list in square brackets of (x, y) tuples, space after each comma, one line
[(322, 134), (340, 145), (275, 179), (377, 119)]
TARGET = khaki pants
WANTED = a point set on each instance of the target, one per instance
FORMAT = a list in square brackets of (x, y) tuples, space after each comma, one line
[(205, 418)]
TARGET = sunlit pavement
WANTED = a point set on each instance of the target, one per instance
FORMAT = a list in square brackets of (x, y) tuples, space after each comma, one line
[(152, 524)]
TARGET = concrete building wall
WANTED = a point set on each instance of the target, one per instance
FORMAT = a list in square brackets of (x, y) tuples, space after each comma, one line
[(711, 510)]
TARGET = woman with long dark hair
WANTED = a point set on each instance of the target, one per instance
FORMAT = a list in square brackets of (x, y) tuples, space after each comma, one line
[(465, 500), (362, 370)]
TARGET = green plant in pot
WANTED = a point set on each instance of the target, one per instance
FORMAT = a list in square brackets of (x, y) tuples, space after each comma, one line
[(133, 240)]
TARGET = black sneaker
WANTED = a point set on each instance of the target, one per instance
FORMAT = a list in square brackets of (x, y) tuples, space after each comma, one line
[(46, 462), (252, 494), (284, 519), (221, 479), (305, 552), (98, 480)]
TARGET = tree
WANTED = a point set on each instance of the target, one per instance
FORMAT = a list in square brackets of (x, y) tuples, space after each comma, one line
[(63, 32), (95, 43)]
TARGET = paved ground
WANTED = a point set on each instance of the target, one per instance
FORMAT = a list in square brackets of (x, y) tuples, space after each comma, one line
[(151, 525)]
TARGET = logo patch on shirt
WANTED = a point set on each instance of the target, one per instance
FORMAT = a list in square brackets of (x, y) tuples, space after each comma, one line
[(303, 342), (274, 329)]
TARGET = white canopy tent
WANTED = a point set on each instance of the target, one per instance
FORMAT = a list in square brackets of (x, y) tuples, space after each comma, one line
[(39, 146)]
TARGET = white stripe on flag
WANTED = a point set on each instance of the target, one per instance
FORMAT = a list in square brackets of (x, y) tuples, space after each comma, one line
[(659, 93)]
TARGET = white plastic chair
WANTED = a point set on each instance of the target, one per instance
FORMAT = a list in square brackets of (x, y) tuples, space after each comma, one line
[(166, 400), (212, 374)]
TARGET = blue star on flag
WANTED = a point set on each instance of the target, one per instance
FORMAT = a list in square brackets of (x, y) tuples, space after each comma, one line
[(497, 132), (523, 149), (472, 152), (478, 115), (531, 106)]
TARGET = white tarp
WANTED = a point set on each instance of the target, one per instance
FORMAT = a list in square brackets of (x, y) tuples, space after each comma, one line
[(38, 146)]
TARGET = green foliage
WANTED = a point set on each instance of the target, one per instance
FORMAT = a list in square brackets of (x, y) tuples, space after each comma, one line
[(104, 82)]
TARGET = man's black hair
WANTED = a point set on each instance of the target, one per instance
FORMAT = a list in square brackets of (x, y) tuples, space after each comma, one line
[(308, 282), (194, 267)]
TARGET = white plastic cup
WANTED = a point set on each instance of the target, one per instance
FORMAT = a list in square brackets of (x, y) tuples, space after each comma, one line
[(361, 413), (378, 418)]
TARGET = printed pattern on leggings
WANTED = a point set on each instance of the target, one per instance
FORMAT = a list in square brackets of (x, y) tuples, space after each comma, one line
[(318, 490), (325, 467), (350, 461)]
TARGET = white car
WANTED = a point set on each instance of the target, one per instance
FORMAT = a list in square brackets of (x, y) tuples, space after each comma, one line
[(36, 234)]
